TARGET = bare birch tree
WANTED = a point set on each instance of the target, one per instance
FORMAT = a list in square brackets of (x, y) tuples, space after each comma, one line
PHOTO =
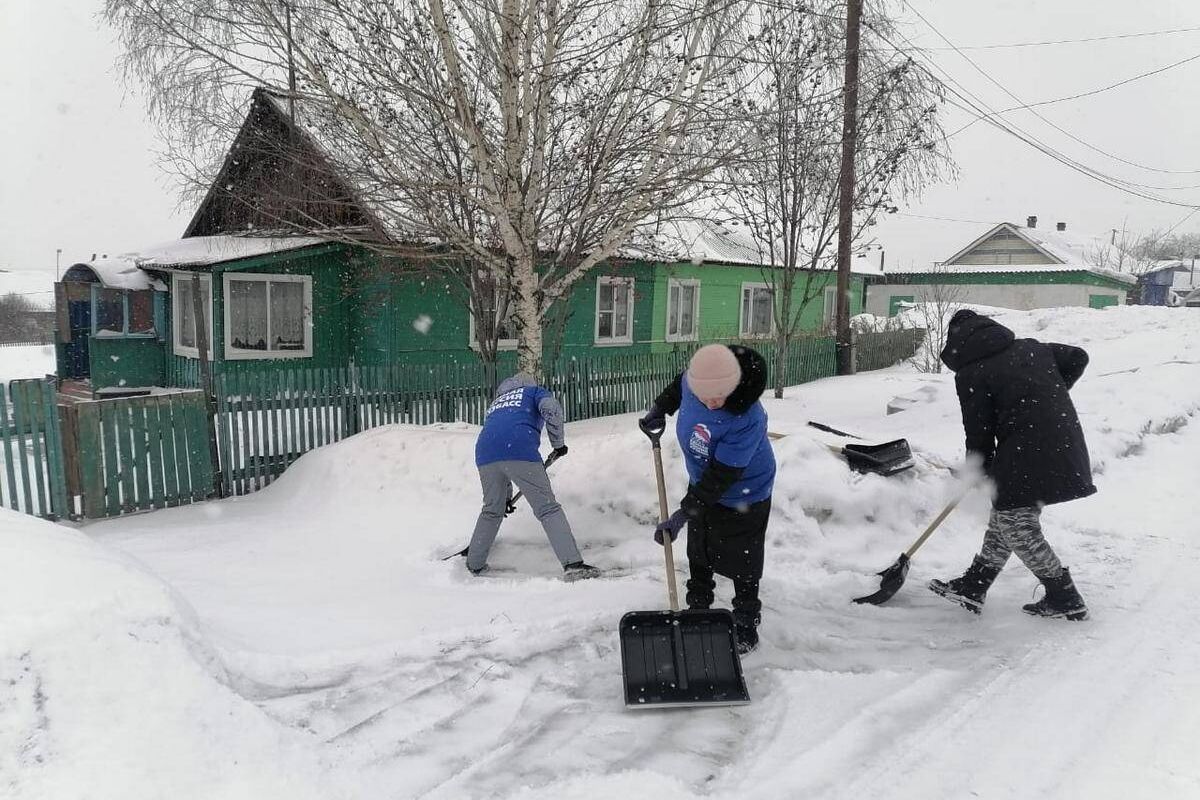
[(786, 194), (529, 138)]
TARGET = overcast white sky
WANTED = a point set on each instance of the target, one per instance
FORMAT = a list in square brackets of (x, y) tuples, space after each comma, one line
[(78, 172)]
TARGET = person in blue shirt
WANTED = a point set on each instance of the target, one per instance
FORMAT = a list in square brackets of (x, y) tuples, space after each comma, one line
[(507, 453), (722, 431)]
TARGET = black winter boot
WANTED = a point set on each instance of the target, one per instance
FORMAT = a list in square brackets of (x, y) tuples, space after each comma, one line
[(970, 589), (1062, 599), (747, 638)]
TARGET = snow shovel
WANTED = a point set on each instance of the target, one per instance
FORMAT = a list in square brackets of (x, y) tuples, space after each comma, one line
[(510, 506), (888, 458), (679, 658), (893, 577)]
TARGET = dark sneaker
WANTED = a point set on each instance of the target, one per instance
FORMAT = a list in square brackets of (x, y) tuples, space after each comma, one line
[(579, 571), (1062, 600), (747, 639), (970, 589)]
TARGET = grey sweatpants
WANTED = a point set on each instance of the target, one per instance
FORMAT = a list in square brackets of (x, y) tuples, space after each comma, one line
[(530, 477), (1019, 530)]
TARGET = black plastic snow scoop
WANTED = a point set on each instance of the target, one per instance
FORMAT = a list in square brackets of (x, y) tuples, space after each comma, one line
[(892, 578), (888, 458), (510, 506), (679, 658)]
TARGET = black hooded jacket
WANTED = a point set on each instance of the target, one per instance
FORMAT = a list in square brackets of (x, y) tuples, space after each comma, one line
[(1017, 412), (718, 477)]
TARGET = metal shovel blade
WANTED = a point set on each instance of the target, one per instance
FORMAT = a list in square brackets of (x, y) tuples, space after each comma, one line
[(681, 659), (892, 579), (882, 459)]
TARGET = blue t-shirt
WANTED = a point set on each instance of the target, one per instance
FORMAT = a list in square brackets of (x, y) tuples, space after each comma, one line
[(512, 429), (736, 440)]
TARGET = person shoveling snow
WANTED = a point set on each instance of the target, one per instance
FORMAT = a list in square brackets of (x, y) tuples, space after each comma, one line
[(507, 453), (722, 430), (1020, 421)]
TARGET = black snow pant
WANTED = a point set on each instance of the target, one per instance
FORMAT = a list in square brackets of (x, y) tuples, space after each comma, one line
[(728, 542)]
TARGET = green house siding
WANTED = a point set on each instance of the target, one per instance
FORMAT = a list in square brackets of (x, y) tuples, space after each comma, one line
[(371, 316), (1102, 300), (332, 312), (1083, 277), (117, 361)]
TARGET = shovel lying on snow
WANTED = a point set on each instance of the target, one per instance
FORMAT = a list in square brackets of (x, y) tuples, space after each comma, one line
[(510, 506), (679, 658), (884, 459), (893, 577)]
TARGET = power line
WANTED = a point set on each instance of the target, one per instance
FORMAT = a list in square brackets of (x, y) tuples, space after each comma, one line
[(1069, 41), (945, 219), (1029, 107), (977, 107), (981, 109)]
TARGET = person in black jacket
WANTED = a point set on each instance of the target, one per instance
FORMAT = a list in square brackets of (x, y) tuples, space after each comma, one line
[(722, 431), (1020, 422)]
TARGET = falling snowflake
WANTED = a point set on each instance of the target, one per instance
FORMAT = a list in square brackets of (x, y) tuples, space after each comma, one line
[(422, 324)]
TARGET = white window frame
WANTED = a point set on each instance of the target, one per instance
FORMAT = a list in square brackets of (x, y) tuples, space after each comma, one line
[(829, 307), (177, 317), (232, 354), (742, 332), (680, 283), (473, 340), (627, 339)]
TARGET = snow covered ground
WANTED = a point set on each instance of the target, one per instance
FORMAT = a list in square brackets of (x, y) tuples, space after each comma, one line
[(25, 361), (307, 641)]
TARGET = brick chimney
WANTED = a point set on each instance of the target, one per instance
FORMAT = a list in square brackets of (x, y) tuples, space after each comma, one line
[(1031, 222), (1062, 226)]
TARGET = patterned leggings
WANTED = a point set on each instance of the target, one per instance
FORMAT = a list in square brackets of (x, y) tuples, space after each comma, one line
[(1019, 530)]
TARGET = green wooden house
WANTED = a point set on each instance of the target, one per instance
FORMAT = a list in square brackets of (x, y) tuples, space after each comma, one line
[(274, 302)]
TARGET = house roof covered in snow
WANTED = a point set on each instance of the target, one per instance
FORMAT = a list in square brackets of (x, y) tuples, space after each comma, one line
[(1060, 252), (352, 204), (128, 270), (705, 241)]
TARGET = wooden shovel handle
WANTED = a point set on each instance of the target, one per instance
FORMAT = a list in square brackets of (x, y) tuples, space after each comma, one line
[(933, 526), (668, 549)]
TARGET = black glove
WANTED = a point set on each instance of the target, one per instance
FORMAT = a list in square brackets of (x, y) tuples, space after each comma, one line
[(671, 527), (560, 451), (654, 423)]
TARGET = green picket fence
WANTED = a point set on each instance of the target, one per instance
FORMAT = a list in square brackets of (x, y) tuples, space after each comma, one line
[(32, 477), (138, 453), (108, 457), (881, 350)]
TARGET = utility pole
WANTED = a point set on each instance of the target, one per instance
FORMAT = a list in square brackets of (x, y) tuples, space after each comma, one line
[(845, 355)]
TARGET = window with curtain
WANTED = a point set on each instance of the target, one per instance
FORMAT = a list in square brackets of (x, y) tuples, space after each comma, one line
[(682, 310), (268, 316), (757, 310), (614, 310)]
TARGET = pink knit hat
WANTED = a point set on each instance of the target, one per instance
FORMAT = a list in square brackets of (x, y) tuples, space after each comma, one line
[(713, 372)]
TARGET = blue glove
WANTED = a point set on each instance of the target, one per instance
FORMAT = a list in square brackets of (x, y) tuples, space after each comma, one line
[(671, 527), (654, 423)]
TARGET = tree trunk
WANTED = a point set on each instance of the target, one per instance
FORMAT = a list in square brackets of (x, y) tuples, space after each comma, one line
[(782, 342), (529, 322)]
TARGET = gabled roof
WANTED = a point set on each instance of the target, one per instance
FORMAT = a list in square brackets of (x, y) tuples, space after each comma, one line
[(1061, 247)]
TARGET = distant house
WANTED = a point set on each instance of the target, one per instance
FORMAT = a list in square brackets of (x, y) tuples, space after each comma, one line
[(1010, 266), (1167, 282), (273, 302)]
